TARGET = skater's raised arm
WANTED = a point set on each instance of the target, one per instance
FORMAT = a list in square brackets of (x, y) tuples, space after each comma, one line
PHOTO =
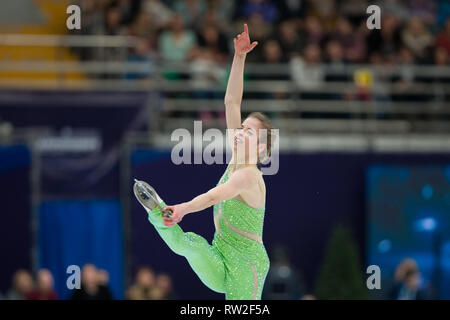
[(240, 181), (235, 87)]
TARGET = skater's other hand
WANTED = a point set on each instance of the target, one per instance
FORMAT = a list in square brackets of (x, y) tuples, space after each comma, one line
[(178, 212), (242, 43)]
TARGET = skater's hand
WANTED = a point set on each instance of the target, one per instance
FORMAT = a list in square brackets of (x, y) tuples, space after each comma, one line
[(242, 44), (178, 212)]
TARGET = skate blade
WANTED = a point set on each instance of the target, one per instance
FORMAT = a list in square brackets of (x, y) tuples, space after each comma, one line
[(148, 198)]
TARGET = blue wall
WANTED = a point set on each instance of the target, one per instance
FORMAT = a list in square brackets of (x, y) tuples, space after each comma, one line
[(76, 232)]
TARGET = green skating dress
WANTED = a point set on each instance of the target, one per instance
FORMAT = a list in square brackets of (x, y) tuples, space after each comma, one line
[(236, 263)]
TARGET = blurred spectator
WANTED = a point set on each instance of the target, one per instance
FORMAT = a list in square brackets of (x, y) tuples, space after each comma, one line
[(306, 70), (325, 12), (403, 267), (128, 10), (417, 38), (160, 14), (443, 38), (313, 31), (292, 9), (283, 281), (44, 287), (387, 40), (93, 285), (205, 72), (93, 18), (272, 52), (308, 297), (92, 23), (378, 88), (210, 37), (395, 8), (143, 286), (192, 11), (113, 21), (334, 56), (409, 287), (206, 75), (220, 12), (163, 288), (143, 53), (405, 60), (143, 27), (290, 41), (334, 53), (354, 10), (423, 9), (406, 285), (265, 8), (443, 12), (103, 277), (22, 285), (441, 57), (112, 26), (352, 42), (176, 44)]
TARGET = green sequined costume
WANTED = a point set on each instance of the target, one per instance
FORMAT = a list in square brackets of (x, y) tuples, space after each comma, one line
[(236, 263)]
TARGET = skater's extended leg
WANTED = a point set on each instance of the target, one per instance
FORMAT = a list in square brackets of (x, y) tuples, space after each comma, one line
[(204, 259)]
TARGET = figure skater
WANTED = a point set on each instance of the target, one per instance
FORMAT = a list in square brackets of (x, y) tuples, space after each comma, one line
[(236, 263)]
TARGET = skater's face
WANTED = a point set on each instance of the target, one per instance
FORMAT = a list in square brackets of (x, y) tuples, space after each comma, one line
[(246, 141)]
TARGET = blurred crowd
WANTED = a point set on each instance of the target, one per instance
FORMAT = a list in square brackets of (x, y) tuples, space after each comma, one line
[(197, 36), (332, 31), (25, 287), (94, 285), (150, 286), (284, 282)]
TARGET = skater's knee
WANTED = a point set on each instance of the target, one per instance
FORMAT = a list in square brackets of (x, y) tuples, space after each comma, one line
[(188, 245), (196, 241)]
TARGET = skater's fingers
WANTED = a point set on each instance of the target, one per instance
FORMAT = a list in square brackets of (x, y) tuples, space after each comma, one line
[(167, 220), (168, 223), (254, 44)]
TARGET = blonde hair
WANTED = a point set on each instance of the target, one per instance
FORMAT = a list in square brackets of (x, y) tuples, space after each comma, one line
[(265, 124)]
